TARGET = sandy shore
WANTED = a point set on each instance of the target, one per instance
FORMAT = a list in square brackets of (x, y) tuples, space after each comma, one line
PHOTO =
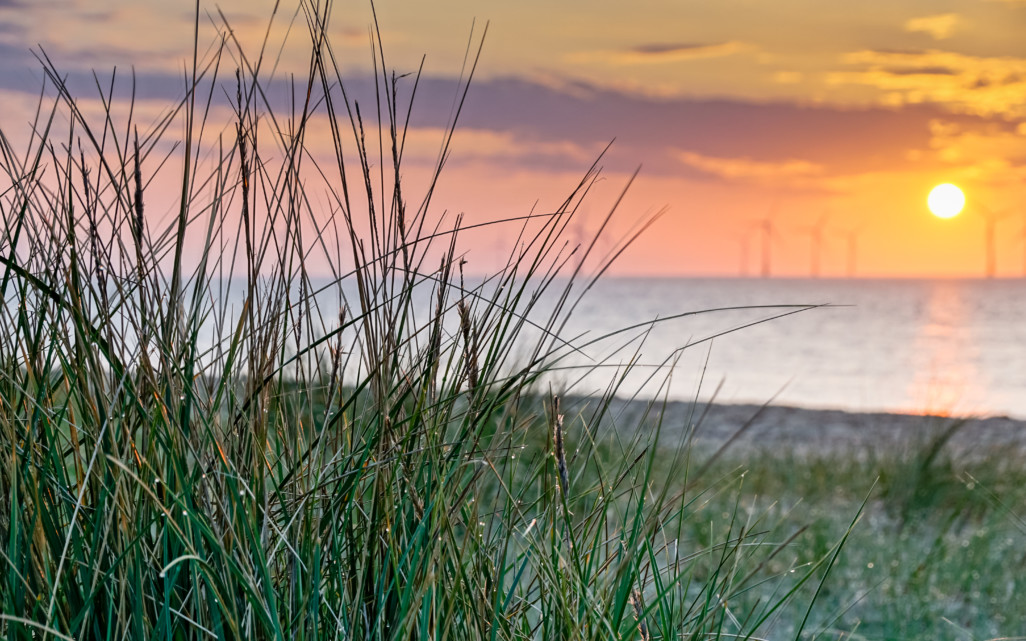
[(805, 432)]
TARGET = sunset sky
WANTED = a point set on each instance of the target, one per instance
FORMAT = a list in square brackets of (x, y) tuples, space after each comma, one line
[(800, 111)]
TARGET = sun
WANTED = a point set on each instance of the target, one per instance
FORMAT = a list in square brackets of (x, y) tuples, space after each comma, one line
[(946, 201)]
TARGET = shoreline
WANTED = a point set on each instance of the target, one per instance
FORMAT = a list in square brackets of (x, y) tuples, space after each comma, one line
[(783, 429)]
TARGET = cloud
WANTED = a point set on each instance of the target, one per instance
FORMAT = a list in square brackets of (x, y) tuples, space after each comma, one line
[(751, 170), (983, 86), (920, 71), (473, 146), (80, 34), (655, 130), (148, 85), (515, 123), (995, 152), (939, 27), (660, 53), (788, 77)]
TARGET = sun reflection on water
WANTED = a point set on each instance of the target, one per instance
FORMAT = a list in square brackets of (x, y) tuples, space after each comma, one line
[(946, 380)]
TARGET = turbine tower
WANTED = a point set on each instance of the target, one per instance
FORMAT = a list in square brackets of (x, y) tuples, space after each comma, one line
[(852, 238), (744, 246), (991, 219), (815, 233), (765, 228), (1022, 239)]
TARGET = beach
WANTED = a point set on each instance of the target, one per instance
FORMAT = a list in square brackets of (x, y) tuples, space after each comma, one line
[(784, 430)]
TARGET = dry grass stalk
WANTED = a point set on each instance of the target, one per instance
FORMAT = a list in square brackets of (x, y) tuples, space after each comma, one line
[(557, 429), (435, 341), (639, 610), (470, 348), (337, 349), (137, 228), (138, 234)]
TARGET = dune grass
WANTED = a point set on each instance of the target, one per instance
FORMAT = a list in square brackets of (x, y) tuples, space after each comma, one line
[(939, 550), (325, 461)]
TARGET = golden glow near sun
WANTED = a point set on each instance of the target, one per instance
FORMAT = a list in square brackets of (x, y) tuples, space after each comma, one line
[(946, 201)]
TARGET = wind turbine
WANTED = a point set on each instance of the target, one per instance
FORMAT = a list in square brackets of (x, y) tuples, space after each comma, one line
[(991, 219), (765, 228), (947, 200), (579, 233), (744, 245), (852, 237), (815, 233), (1022, 239)]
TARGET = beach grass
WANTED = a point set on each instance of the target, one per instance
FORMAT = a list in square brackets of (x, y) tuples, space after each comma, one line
[(202, 440), (938, 552)]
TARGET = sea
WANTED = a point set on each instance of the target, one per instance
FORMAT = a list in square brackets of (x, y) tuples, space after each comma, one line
[(919, 346)]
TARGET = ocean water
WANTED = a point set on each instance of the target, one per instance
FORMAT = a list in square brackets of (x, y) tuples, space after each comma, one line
[(949, 347), (952, 347)]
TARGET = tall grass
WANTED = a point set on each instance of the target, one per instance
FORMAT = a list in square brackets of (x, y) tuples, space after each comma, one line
[(937, 554), (369, 468)]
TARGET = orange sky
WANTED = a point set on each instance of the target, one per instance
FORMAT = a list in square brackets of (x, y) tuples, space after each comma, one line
[(799, 111)]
